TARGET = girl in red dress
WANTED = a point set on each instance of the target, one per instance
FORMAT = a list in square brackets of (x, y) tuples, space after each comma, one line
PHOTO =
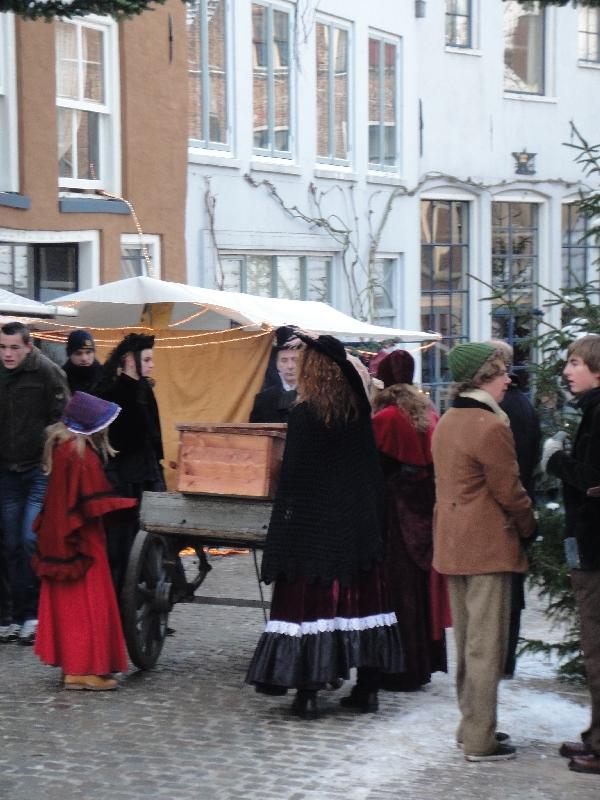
[(79, 625)]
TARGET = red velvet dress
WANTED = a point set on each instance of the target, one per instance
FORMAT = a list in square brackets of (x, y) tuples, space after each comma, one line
[(419, 593), (79, 625)]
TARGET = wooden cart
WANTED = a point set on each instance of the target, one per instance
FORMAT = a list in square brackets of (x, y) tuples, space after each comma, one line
[(173, 521)]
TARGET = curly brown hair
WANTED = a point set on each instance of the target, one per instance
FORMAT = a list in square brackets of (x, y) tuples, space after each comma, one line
[(322, 385), (410, 400)]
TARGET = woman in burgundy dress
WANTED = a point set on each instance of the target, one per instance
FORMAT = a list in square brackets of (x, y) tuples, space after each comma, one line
[(79, 625), (403, 425)]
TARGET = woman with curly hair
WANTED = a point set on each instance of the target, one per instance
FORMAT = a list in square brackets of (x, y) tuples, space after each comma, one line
[(324, 546), (403, 425)]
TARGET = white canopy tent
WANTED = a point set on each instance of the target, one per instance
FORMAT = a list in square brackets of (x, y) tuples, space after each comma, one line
[(12, 304), (122, 303)]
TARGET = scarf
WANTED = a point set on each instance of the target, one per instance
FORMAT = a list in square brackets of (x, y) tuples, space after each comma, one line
[(483, 397)]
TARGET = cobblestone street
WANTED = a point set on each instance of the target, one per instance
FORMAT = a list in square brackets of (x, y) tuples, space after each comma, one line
[(191, 729)]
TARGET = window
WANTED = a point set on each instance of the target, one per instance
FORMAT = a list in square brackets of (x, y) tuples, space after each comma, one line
[(384, 288), (40, 272), (383, 103), (290, 277), (444, 287), (87, 118), (208, 88), (523, 48), (333, 120), (458, 23), (9, 179), (515, 237), (271, 45), (589, 34), (134, 261)]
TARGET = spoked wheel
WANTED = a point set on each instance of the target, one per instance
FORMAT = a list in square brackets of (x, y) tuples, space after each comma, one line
[(146, 599)]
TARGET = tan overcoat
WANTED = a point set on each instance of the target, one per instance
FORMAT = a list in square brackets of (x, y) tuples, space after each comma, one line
[(481, 509)]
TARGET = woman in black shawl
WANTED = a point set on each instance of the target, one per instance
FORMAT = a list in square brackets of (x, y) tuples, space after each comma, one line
[(330, 610)]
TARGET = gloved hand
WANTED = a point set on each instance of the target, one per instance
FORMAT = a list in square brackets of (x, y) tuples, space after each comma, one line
[(551, 446)]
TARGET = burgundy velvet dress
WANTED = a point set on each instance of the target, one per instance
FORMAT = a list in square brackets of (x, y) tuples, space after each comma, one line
[(419, 594), (79, 625)]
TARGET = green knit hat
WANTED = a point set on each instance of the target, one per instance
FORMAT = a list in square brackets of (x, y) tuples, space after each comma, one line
[(466, 359)]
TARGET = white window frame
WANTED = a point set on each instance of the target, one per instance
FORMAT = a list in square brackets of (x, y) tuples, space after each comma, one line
[(151, 242), (205, 146), (545, 57), (110, 128), (386, 38), (581, 12), (271, 152), (470, 20), (9, 141), (303, 256), (392, 310), (331, 158)]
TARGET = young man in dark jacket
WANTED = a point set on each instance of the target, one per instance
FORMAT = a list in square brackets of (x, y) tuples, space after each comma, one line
[(580, 472), (33, 394)]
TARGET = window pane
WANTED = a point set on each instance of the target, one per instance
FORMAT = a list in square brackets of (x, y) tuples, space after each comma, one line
[(232, 274), (260, 87), (88, 151), (383, 289), (340, 62), (194, 49), (389, 88), (217, 71), (317, 278), (258, 276), (132, 261), (375, 154), (322, 68), (281, 79), (288, 277), (57, 270), (92, 60), (523, 48), (65, 143), (66, 61)]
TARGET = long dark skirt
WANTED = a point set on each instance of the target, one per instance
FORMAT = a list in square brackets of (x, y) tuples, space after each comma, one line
[(409, 509), (318, 632)]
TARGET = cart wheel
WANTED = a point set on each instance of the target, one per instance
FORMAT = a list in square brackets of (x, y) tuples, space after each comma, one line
[(145, 599)]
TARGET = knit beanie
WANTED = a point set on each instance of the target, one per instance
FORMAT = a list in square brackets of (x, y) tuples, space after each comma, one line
[(465, 360), (79, 340)]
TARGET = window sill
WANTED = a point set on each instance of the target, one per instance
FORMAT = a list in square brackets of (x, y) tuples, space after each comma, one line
[(213, 158), (463, 51), (589, 64), (385, 178), (91, 205), (529, 98), (275, 165), (14, 200), (335, 173)]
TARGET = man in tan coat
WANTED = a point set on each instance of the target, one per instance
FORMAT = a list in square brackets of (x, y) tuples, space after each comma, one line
[(482, 512)]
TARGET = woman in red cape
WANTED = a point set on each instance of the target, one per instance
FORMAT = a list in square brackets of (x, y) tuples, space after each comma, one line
[(79, 626), (403, 426)]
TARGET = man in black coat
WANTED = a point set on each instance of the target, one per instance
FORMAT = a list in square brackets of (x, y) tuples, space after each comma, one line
[(82, 368), (273, 404)]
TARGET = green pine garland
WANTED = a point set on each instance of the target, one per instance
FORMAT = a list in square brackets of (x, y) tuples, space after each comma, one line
[(49, 9)]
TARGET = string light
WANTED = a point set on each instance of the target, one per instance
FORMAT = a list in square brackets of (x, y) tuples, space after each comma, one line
[(204, 310)]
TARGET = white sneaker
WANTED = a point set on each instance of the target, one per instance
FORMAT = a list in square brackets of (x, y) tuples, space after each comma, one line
[(27, 632), (9, 633)]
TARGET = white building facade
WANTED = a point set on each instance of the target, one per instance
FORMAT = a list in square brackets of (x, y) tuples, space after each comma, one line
[(395, 159)]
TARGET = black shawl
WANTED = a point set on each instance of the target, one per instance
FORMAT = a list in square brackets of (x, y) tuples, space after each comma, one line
[(327, 518)]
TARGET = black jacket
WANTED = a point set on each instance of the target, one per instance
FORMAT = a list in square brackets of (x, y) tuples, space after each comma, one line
[(579, 471), (32, 396), (273, 405), (83, 379), (525, 428)]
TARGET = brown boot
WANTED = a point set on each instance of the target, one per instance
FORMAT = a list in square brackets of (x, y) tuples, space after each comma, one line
[(91, 683)]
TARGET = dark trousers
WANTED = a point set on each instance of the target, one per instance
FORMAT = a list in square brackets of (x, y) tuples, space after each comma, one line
[(586, 584)]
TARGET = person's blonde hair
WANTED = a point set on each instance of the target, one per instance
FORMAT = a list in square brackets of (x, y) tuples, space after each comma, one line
[(58, 433), (408, 398), (588, 349), (322, 385)]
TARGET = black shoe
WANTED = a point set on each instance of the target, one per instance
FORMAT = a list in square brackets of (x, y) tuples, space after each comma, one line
[(503, 752), (170, 631), (360, 701), (305, 705), (335, 684), (574, 750)]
